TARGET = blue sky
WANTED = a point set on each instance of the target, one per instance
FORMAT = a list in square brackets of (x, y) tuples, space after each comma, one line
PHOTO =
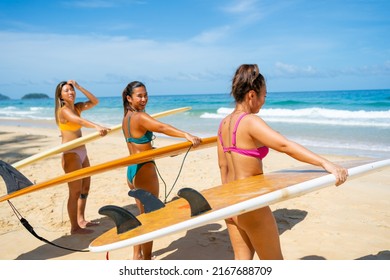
[(194, 46)]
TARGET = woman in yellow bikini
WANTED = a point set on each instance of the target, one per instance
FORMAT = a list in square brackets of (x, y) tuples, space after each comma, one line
[(138, 128), (69, 120)]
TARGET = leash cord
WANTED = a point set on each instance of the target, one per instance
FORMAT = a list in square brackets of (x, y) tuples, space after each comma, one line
[(30, 229), (27, 225), (177, 177)]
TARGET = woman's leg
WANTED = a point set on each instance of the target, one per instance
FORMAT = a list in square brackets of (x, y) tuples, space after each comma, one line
[(70, 162), (147, 180), (262, 230), (242, 247), (82, 202)]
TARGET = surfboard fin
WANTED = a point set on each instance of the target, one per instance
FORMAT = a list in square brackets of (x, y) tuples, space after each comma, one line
[(196, 200), (150, 202), (123, 218), (14, 180)]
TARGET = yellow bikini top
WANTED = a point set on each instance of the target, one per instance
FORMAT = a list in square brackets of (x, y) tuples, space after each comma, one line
[(68, 126)]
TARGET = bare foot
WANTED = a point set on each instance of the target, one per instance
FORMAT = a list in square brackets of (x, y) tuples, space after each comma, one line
[(149, 259), (85, 224), (81, 231), (137, 257)]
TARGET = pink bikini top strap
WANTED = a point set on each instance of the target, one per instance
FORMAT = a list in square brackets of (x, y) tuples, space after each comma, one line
[(234, 140)]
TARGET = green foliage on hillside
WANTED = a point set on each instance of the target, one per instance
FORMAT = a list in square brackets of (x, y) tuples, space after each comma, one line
[(3, 97), (35, 96)]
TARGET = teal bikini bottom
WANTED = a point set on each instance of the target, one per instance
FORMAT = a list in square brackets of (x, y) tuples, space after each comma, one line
[(132, 170)]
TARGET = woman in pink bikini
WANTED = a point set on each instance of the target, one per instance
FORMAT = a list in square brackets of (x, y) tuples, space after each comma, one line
[(69, 120), (244, 140)]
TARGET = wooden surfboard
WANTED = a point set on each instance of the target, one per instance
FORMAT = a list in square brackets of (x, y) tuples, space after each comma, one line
[(85, 139), (18, 184), (219, 202)]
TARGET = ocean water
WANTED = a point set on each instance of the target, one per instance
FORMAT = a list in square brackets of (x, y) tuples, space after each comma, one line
[(355, 123)]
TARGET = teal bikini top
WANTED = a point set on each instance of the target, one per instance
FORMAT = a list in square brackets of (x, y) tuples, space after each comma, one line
[(146, 138)]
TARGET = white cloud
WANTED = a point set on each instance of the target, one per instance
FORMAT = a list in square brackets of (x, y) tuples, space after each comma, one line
[(208, 59), (283, 70), (289, 70), (246, 11), (97, 4), (212, 35), (90, 4), (29, 59), (241, 7)]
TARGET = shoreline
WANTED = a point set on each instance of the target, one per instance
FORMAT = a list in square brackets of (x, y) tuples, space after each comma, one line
[(30, 123), (344, 223), (324, 150)]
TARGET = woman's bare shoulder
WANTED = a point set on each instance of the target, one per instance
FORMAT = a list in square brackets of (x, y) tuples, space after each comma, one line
[(253, 118)]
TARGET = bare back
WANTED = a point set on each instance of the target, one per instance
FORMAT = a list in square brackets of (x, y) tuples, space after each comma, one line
[(239, 166)]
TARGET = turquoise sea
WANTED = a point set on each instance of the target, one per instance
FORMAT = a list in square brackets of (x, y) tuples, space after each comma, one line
[(336, 122)]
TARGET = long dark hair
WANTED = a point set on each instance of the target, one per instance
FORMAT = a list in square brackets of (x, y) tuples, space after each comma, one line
[(58, 100), (128, 91), (246, 78)]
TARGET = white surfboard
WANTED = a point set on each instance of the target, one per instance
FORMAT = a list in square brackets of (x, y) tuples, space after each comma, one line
[(83, 140), (265, 190)]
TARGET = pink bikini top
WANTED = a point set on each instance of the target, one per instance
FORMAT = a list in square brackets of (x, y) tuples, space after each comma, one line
[(260, 152)]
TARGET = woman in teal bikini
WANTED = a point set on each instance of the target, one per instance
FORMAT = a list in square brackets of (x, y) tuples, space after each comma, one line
[(244, 140), (138, 128)]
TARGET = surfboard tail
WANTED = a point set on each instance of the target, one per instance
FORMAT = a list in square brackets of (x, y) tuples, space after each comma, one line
[(14, 180)]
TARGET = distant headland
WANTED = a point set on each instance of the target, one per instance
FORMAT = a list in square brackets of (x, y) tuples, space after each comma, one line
[(27, 96), (36, 96), (4, 97)]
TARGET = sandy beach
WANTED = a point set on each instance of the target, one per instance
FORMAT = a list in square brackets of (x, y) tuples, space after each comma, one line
[(349, 222)]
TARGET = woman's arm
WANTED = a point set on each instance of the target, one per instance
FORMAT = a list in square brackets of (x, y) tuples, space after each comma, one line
[(92, 99), (151, 124), (222, 162), (70, 116), (274, 140)]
